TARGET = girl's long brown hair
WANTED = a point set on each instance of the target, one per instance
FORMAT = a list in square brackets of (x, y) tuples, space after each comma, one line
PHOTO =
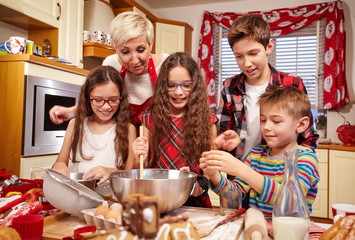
[(196, 130), (102, 75)]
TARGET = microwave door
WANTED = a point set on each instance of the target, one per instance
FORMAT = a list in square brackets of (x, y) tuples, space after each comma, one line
[(46, 132)]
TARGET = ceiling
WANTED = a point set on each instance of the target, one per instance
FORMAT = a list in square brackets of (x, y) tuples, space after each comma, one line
[(178, 3)]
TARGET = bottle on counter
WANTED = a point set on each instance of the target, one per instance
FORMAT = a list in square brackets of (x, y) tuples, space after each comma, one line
[(290, 215)]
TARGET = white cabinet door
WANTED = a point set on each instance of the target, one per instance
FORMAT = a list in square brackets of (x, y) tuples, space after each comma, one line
[(32, 167), (46, 11), (341, 178), (169, 38), (320, 205), (70, 36)]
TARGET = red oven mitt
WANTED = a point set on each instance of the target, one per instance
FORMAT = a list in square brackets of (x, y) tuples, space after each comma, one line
[(8, 202), (21, 209)]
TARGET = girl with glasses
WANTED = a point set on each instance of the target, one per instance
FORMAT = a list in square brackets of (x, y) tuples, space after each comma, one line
[(99, 138), (178, 126)]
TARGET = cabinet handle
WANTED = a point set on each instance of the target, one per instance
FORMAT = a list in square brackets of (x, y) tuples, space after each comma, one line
[(60, 11)]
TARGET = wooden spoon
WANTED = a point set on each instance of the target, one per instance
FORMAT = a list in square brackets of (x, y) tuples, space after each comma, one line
[(141, 156)]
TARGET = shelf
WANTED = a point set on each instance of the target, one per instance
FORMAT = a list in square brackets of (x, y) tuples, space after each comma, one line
[(44, 62), (94, 49)]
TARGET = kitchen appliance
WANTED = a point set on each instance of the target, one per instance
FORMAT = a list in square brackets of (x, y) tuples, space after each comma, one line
[(172, 187), (41, 136)]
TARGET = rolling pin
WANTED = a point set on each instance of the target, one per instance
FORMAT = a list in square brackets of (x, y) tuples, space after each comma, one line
[(255, 225)]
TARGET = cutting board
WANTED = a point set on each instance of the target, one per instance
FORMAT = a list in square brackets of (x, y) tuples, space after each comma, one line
[(63, 225)]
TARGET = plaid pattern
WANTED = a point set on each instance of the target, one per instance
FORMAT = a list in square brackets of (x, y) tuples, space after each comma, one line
[(231, 112), (170, 148)]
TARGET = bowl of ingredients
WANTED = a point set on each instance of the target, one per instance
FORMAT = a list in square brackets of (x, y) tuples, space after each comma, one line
[(346, 134), (89, 183), (172, 187), (68, 195)]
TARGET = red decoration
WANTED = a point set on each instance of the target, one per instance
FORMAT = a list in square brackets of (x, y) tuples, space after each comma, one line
[(284, 21)]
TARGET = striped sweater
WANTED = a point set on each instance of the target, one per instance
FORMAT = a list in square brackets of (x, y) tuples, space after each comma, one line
[(272, 168)]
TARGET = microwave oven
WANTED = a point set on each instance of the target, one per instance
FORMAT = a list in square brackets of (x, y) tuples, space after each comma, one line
[(41, 136)]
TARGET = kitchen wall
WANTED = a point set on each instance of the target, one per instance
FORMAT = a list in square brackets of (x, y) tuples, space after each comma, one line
[(8, 30), (193, 16)]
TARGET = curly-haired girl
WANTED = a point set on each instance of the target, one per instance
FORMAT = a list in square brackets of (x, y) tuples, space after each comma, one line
[(98, 140), (178, 125)]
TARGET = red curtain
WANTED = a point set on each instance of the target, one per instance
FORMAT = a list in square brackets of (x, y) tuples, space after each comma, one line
[(284, 21)]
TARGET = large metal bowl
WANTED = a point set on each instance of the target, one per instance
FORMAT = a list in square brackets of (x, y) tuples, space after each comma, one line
[(172, 187)]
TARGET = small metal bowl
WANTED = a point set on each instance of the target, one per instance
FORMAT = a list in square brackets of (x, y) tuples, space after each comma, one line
[(172, 187), (90, 183)]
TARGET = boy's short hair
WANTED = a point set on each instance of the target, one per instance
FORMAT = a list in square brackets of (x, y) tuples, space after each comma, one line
[(128, 25), (290, 98), (251, 26)]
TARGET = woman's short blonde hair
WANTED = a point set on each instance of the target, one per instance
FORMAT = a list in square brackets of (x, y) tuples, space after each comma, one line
[(128, 25)]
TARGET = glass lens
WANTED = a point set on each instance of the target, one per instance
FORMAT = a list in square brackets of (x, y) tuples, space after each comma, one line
[(186, 86), (100, 102)]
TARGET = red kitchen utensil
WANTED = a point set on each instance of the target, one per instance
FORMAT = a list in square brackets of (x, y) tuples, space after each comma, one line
[(30, 226), (346, 134)]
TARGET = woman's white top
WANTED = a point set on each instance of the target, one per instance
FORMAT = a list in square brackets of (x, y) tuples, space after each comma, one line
[(100, 147), (139, 87)]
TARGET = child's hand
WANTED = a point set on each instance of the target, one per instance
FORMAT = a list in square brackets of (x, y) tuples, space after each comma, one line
[(228, 140), (216, 160), (197, 191), (61, 168), (140, 147), (185, 168), (209, 173), (98, 172)]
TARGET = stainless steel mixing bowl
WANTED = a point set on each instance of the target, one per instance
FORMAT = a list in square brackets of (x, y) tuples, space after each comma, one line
[(172, 187)]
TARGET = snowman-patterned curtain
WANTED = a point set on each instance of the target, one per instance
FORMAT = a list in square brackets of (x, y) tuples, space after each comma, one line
[(284, 21)]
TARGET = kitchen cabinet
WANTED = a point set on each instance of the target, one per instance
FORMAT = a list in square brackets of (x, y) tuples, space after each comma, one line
[(59, 21), (70, 35), (320, 205), (172, 36), (13, 69), (341, 178), (46, 11), (169, 38)]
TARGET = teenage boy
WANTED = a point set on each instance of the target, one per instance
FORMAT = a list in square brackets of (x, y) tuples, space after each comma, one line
[(284, 114), (238, 112)]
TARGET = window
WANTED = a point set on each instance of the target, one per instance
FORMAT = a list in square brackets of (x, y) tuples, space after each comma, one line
[(300, 53)]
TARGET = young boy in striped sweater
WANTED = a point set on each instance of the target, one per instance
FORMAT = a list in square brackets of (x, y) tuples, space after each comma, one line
[(284, 115)]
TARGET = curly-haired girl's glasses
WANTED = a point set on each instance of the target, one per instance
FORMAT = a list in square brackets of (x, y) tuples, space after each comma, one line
[(98, 102), (185, 86)]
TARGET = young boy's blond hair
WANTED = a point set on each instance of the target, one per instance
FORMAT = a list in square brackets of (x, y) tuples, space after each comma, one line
[(290, 98), (251, 26)]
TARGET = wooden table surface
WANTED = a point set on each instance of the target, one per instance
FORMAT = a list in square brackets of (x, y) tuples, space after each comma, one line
[(63, 225)]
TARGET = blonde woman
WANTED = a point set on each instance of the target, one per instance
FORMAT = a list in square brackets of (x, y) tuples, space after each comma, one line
[(132, 36)]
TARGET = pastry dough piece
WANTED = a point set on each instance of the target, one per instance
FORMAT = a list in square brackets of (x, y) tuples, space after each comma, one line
[(343, 229), (8, 233)]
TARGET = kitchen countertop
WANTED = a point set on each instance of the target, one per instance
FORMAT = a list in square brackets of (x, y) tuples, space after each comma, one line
[(43, 61), (336, 146)]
